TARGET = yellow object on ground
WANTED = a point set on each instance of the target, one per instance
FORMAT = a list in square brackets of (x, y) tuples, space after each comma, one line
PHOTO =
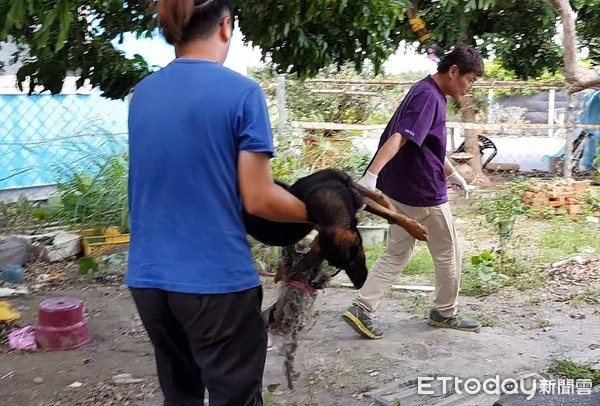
[(96, 244), (7, 315)]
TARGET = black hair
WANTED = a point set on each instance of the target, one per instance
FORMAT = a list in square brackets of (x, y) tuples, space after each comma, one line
[(466, 58), (181, 21)]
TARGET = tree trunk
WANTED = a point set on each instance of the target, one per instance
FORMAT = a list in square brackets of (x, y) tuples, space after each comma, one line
[(577, 79), (468, 115), (468, 111)]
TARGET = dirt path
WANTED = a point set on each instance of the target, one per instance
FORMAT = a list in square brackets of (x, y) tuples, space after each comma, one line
[(526, 331)]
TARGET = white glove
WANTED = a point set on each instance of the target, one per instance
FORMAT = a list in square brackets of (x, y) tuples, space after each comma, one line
[(369, 181), (459, 183)]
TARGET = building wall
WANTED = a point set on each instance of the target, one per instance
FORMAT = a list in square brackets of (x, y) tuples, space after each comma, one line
[(41, 136)]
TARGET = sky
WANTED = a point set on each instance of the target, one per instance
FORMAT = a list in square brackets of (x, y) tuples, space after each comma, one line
[(157, 52)]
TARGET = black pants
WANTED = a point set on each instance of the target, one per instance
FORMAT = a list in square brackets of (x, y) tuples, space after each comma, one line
[(217, 342)]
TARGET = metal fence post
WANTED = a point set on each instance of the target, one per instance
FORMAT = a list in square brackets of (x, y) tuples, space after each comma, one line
[(281, 107), (570, 127), (490, 114), (551, 109)]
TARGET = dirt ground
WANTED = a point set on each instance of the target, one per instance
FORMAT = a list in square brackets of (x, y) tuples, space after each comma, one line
[(525, 331)]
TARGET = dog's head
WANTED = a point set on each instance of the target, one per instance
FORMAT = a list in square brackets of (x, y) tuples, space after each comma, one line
[(343, 249), (333, 202)]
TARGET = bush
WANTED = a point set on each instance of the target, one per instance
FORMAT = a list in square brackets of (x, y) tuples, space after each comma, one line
[(94, 198)]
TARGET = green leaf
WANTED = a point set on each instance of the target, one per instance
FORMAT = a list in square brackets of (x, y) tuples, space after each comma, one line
[(39, 214), (16, 15), (87, 265), (485, 276), (487, 256), (64, 17)]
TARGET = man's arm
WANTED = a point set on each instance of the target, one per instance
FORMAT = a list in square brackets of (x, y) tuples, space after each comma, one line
[(382, 157), (386, 153), (455, 179), (414, 125), (448, 168), (261, 196)]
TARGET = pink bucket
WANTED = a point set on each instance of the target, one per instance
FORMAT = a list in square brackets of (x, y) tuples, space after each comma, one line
[(62, 324)]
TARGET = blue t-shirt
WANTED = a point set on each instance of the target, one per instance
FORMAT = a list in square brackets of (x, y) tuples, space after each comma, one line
[(187, 123)]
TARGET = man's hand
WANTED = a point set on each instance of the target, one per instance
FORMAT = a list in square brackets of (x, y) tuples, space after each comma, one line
[(459, 183), (369, 181)]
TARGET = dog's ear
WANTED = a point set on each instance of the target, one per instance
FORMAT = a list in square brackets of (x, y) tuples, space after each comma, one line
[(344, 238), (349, 255), (357, 198)]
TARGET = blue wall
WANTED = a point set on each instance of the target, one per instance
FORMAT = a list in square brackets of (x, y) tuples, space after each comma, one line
[(42, 134)]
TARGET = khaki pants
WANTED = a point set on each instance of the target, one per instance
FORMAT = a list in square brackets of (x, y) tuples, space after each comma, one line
[(444, 247)]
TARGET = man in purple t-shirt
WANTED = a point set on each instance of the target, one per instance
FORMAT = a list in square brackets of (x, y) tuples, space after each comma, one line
[(411, 167)]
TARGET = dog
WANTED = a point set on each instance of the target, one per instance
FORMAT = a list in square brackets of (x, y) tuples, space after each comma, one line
[(332, 199), (332, 204)]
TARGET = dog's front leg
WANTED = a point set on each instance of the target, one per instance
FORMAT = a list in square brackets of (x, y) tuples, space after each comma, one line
[(413, 227)]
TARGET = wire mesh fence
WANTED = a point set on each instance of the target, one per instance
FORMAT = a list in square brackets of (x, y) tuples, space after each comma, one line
[(532, 132), (522, 128), (43, 136)]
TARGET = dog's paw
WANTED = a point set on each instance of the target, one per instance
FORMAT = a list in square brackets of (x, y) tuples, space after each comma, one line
[(417, 230)]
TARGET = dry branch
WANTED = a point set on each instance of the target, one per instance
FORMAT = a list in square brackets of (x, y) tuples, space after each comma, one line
[(577, 79)]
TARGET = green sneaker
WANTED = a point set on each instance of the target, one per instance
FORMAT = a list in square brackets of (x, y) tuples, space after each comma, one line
[(456, 322), (360, 320)]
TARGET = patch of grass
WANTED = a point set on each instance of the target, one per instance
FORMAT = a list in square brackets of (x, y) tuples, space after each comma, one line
[(372, 252), (421, 262), (268, 400), (94, 197), (487, 273), (420, 305), (531, 279), (570, 369), (567, 238), (486, 319), (590, 296), (543, 322), (535, 301), (20, 216)]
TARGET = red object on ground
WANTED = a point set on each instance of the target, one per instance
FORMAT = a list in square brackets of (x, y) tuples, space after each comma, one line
[(62, 324)]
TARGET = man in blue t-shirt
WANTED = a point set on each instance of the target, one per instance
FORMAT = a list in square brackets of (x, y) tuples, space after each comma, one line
[(200, 144), (411, 167)]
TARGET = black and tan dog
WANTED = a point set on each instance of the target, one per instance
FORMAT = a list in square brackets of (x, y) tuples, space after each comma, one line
[(332, 199)]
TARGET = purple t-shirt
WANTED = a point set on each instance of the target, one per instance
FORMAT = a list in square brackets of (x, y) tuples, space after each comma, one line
[(415, 176)]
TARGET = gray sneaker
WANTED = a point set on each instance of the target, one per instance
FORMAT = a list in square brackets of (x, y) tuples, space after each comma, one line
[(360, 320), (457, 322)]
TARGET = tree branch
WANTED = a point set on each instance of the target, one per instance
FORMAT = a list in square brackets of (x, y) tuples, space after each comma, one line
[(577, 79)]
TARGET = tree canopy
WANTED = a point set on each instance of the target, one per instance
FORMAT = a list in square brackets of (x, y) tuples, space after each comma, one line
[(588, 26), (61, 37)]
